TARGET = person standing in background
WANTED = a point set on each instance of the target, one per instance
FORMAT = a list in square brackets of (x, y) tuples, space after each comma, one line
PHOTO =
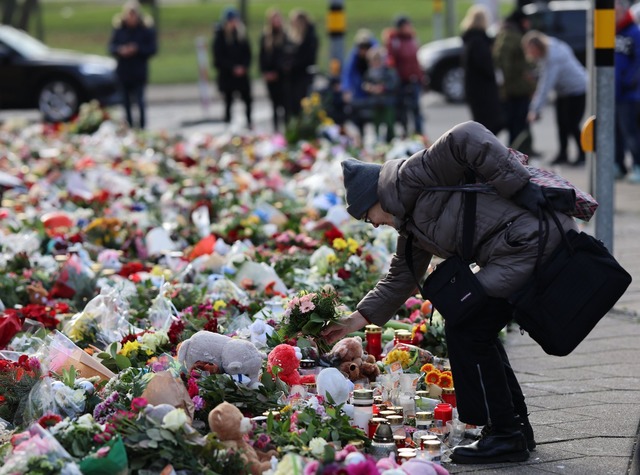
[(560, 71), (518, 80), (380, 82), (627, 73), (480, 86), (231, 58), (272, 44), (402, 50), (302, 56), (133, 42)]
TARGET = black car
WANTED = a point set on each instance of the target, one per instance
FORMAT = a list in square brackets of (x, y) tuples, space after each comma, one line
[(565, 20), (34, 76)]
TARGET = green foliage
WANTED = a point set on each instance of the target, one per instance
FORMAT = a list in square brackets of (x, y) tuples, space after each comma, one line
[(217, 388)]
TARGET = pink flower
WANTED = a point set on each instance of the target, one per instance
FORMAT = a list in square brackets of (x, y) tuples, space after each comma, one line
[(138, 403), (412, 302), (103, 451), (307, 307), (311, 468)]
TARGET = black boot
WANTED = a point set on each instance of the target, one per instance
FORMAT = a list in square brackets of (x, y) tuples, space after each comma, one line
[(527, 431), (506, 444)]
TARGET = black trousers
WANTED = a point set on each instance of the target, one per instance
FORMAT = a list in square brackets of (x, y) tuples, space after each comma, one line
[(242, 86), (276, 95), (487, 390), (516, 109), (569, 112)]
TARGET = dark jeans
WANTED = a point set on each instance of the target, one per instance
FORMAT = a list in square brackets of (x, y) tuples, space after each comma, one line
[(240, 85), (627, 133), (487, 390), (569, 112), (133, 93)]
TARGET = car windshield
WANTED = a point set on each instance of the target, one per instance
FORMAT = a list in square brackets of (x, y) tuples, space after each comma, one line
[(24, 44)]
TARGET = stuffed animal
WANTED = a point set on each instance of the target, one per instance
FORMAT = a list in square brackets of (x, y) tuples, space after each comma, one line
[(287, 358), (348, 356), (230, 425), (332, 381), (233, 356)]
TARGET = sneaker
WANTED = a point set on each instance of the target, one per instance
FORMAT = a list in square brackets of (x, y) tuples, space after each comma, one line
[(496, 446), (634, 177)]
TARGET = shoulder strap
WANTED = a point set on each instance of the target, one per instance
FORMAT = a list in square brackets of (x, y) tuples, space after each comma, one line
[(468, 220)]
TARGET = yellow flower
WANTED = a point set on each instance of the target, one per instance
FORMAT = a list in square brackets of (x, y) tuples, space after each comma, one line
[(315, 99), (332, 259), (218, 304), (306, 103), (353, 245), (400, 356), (129, 347), (339, 244)]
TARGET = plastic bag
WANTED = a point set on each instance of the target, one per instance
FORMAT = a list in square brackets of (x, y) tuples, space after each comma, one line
[(162, 312)]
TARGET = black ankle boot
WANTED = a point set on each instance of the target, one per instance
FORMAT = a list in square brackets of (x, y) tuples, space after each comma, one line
[(527, 431), (506, 444)]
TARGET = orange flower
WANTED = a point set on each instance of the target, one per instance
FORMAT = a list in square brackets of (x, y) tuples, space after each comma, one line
[(446, 381), (427, 367), (433, 377)]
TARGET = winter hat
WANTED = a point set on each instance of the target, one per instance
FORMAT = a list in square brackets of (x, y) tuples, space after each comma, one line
[(361, 185), (229, 13), (401, 20)]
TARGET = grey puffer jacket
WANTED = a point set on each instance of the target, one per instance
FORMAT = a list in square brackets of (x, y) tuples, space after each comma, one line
[(505, 243)]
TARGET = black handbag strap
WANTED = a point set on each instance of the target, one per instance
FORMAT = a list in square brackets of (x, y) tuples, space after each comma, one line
[(468, 221)]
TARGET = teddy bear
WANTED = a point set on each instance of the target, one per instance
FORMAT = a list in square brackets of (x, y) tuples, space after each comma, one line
[(287, 358), (233, 356), (348, 356), (230, 425)]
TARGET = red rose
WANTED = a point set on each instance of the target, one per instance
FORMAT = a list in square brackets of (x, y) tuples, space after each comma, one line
[(9, 326)]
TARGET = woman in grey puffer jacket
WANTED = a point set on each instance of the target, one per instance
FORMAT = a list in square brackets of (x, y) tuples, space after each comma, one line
[(505, 247)]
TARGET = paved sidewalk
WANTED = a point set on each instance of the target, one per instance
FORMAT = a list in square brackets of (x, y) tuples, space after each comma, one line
[(585, 408)]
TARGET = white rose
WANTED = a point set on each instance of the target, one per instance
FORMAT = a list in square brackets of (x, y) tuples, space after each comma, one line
[(86, 420), (316, 445), (174, 420)]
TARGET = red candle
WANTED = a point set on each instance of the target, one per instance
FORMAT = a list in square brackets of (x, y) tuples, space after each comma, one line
[(443, 412), (373, 334)]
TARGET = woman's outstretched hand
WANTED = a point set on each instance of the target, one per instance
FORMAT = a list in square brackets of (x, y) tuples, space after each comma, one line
[(343, 327)]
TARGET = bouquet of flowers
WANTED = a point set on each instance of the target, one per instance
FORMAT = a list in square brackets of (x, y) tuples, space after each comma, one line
[(17, 378), (307, 314), (36, 452)]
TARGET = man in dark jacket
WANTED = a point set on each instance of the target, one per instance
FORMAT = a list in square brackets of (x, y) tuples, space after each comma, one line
[(231, 58), (133, 42), (504, 246)]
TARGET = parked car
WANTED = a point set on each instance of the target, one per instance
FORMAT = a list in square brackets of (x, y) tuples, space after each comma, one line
[(34, 76), (566, 20)]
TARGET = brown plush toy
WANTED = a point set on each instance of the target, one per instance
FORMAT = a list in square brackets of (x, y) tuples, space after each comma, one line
[(349, 357), (230, 425)]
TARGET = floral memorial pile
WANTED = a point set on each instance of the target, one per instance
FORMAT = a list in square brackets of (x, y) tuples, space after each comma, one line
[(162, 299)]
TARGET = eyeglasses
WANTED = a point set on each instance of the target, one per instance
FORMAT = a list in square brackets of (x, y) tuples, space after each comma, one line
[(366, 218)]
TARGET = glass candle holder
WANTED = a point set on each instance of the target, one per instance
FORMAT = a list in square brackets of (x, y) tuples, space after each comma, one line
[(373, 335)]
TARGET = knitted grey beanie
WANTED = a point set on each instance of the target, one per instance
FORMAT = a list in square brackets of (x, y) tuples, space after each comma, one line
[(361, 185)]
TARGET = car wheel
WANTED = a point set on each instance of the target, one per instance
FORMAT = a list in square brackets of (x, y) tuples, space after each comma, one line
[(453, 84), (58, 100)]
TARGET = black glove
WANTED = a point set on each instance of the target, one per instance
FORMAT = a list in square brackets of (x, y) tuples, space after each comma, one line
[(561, 199), (530, 197)]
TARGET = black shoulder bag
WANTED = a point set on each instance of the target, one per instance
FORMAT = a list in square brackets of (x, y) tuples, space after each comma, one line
[(452, 288), (570, 293)]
